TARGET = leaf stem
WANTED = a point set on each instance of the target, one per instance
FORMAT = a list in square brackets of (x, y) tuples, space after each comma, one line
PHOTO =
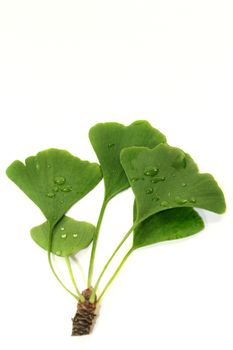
[(115, 273), (72, 277), (51, 264), (55, 274), (76, 261), (109, 260), (94, 244)]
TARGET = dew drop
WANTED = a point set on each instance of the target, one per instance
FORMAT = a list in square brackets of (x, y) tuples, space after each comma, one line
[(183, 184), (37, 166), (61, 201), (64, 235), (179, 162), (62, 228), (192, 200), (179, 200), (49, 166), (151, 171), (51, 194), (139, 122), (134, 179), (164, 203), (59, 180), (58, 252), (158, 179), (111, 145), (155, 199), (67, 189), (149, 190), (75, 235), (55, 188)]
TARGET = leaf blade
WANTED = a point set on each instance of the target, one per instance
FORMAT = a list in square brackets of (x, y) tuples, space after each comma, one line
[(69, 236), (177, 182), (108, 139), (54, 180), (167, 225)]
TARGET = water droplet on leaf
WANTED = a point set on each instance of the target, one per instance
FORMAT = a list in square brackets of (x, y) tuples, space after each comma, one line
[(75, 235), (134, 179), (67, 189), (55, 188), (49, 166), (158, 179), (179, 162), (192, 200), (151, 171), (179, 200), (58, 252), (59, 180), (164, 203), (51, 194), (110, 145), (183, 184), (37, 166), (62, 228), (155, 199), (64, 235), (149, 190)]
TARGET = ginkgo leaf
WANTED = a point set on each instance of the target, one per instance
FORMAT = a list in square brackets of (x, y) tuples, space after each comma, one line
[(108, 139), (165, 177), (54, 180), (167, 225), (69, 236)]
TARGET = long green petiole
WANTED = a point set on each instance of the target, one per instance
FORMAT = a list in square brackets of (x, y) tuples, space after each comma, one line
[(51, 264), (81, 297), (55, 274), (115, 273), (77, 263), (94, 244), (92, 298)]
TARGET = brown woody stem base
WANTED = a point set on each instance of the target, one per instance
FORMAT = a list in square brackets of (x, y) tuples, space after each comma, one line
[(85, 315)]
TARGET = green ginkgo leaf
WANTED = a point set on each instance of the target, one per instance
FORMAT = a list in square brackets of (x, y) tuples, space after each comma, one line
[(108, 139), (167, 225), (165, 177), (69, 236), (54, 180)]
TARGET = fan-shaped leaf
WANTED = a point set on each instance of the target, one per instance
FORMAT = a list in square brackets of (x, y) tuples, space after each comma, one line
[(108, 139), (69, 236), (167, 225), (165, 177), (54, 180)]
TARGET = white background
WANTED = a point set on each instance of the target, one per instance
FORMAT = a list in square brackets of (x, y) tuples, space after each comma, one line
[(66, 65)]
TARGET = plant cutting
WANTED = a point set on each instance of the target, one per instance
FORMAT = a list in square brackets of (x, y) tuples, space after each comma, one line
[(165, 181)]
